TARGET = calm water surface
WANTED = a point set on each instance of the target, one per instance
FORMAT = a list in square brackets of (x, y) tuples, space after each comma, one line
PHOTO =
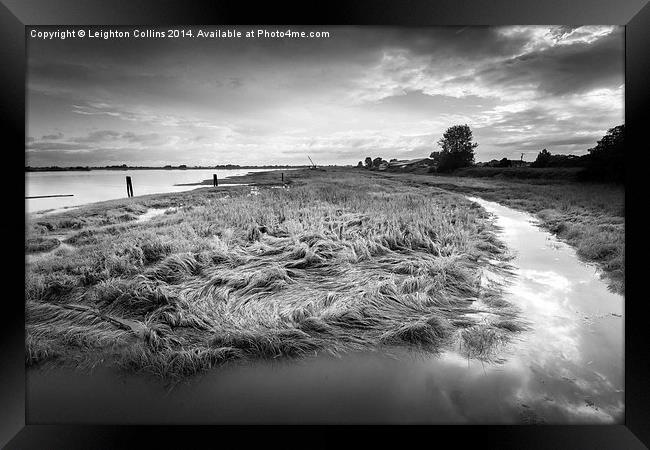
[(100, 185), (568, 368)]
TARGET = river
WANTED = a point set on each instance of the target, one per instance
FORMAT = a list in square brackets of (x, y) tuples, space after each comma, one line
[(99, 185), (568, 368)]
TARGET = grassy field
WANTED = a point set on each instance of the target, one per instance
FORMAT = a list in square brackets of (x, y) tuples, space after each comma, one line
[(528, 173), (588, 216), (336, 260)]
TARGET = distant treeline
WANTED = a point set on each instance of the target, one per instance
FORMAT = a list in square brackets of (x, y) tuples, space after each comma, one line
[(168, 167), (604, 162)]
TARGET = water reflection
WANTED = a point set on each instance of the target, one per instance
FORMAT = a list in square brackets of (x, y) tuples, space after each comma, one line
[(571, 361), (567, 368)]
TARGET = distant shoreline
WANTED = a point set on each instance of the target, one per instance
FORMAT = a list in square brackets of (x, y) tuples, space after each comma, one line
[(224, 167)]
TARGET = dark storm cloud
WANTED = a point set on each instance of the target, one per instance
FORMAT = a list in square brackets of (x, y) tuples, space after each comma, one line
[(344, 42), (150, 65), (457, 42), (560, 70), (75, 80), (56, 71)]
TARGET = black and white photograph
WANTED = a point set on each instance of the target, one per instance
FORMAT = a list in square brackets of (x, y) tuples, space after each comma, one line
[(325, 224)]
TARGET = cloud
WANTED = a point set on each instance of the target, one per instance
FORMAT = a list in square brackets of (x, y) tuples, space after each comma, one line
[(97, 136), (52, 137), (55, 146), (582, 141), (141, 138), (543, 62), (563, 69), (377, 91)]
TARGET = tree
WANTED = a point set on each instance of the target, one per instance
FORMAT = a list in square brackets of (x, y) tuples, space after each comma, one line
[(457, 148), (368, 162), (543, 158), (606, 160), (435, 161), (505, 162), (376, 162), (360, 164)]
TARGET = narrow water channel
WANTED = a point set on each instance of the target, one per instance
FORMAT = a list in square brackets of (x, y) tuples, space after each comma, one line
[(570, 364), (567, 368)]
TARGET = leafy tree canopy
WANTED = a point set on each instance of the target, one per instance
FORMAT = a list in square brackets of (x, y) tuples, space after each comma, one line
[(457, 148)]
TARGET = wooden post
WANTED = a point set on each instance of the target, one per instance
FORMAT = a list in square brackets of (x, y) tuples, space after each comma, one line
[(282, 177), (215, 180), (129, 187)]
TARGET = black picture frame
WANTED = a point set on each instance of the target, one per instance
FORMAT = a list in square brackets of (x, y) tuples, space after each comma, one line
[(15, 15)]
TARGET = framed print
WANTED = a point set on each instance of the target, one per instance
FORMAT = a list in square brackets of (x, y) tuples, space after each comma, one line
[(359, 214)]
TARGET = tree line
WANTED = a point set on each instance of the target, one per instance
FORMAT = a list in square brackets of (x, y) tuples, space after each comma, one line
[(604, 162)]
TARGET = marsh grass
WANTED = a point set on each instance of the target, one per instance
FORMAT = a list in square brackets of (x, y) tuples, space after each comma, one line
[(39, 244), (588, 216), (546, 173), (338, 262)]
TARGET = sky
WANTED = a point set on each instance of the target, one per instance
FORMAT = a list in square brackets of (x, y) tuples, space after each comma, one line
[(362, 91)]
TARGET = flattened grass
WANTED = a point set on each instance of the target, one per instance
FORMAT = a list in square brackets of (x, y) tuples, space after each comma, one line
[(338, 262)]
